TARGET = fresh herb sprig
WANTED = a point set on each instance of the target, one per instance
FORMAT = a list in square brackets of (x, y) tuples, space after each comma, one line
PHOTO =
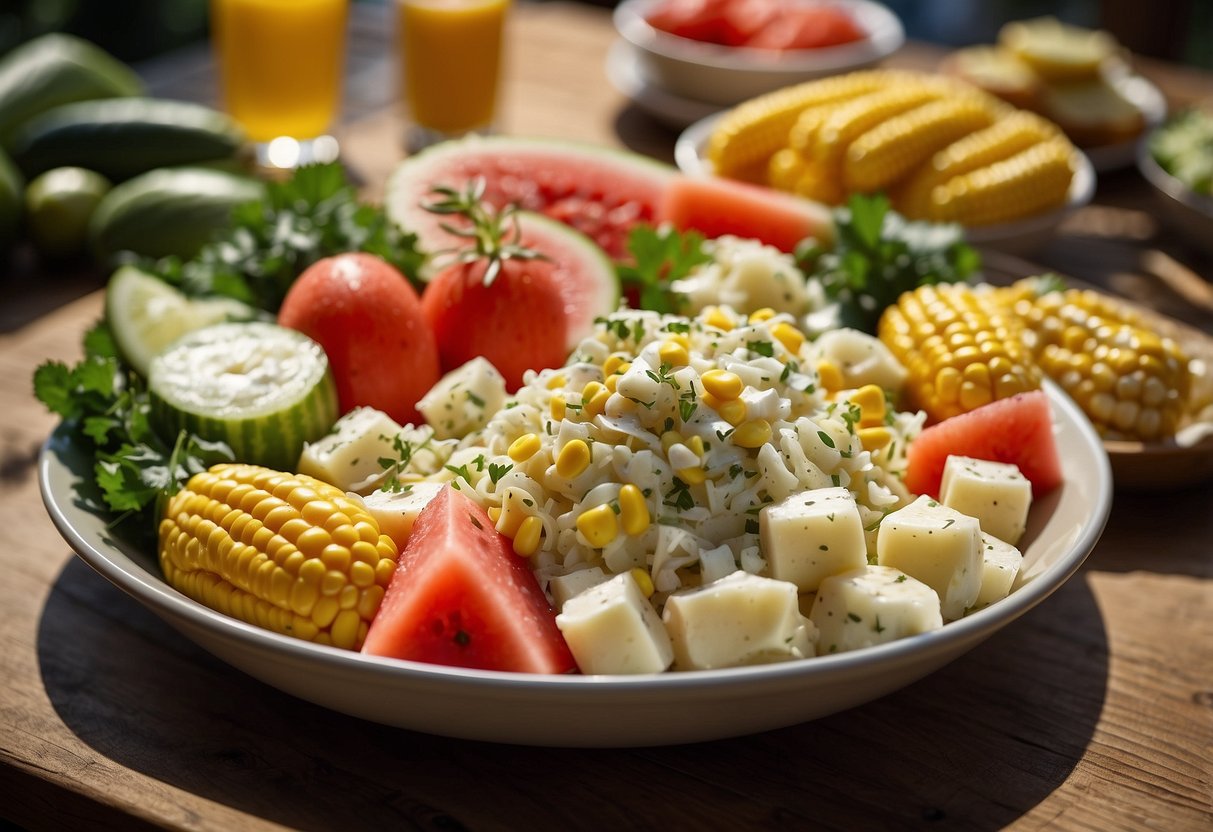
[(106, 406), (878, 254), (660, 256), (314, 214)]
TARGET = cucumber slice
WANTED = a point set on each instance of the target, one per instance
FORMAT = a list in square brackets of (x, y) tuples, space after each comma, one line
[(263, 389), (146, 314)]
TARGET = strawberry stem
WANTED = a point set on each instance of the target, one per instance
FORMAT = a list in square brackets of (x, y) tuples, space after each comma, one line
[(494, 233)]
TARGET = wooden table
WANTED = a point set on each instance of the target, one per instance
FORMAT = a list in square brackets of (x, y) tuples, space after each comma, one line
[(1094, 711)]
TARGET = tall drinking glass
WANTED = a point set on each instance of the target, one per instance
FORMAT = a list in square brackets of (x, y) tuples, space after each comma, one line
[(450, 54), (281, 69)]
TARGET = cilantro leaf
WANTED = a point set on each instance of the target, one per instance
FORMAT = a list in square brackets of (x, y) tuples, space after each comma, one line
[(659, 257)]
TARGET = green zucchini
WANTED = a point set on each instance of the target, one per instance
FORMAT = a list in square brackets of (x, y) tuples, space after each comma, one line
[(124, 138), (57, 69), (171, 211)]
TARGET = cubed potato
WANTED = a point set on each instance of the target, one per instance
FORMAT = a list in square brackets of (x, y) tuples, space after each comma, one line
[(612, 628), (464, 399), (1000, 566), (738, 620), (937, 545), (812, 535), (349, 455), (872, 605), (996, 493)]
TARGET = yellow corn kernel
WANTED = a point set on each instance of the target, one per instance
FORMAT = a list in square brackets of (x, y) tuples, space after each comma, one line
[(633, 510), (526, 541), (598, 525), (669, 439), (871, 402), (873, 439), (784, 169), (760, 315), (692, 476), (591, 389), (753, 433), (218, 553), (695, 443), (596, 405), (573, 459), (613, 362), (556, 381), (714, 316), (934, 332), (1028, 183), (681, 338), (886, 153), (830, 376), (848, 122), (732, 411), (643, 580), (524, 447), (674, 354), (494, 513), (611, 382), (788, 335), (722, 384), (513, 511), (558, 407)]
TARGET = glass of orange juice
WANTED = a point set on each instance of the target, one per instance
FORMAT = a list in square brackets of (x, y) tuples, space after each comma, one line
[(450, 61), (280, 67)]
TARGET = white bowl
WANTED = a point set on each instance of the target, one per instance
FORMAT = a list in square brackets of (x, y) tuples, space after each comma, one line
[(1018, 237), (728, 75), (575, 710)]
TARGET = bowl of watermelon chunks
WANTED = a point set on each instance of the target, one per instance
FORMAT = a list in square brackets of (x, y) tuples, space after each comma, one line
[(725, 51)]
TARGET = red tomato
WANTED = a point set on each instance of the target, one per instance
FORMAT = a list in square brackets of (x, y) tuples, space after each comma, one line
[(518, 322), (740, 20), (694, 19), (461, 597), (808, 27), (369, 321), (1017, 430)]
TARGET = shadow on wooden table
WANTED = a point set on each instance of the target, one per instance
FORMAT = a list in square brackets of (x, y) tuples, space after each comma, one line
[(976, 744)]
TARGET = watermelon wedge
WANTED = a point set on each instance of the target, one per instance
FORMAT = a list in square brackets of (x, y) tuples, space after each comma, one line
[(716, 207), (461, 597), (599, 191), (1017, 430)]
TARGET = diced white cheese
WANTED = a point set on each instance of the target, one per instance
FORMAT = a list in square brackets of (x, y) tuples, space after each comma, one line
[(996, 493), (738, 620), (564, 587), (1000, 566), (349, 456), (812, 535), (612, 628), (937, 545), (396, 511), (463, 400), (872, 605)]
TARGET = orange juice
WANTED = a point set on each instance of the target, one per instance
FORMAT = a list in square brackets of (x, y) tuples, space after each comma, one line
[(451, 58), (280, 63)]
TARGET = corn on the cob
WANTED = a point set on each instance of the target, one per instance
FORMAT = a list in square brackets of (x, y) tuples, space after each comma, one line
[(1003, 139), (285, 552), (960, 349), (886, 153), (1027, 183), (751, 132), (1131, 382)]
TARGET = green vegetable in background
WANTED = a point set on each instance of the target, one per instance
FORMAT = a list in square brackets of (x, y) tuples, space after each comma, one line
[(878, 254), (313, 215), (1184, 149)]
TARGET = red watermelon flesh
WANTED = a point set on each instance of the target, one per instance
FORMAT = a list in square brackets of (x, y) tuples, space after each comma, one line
[(716, 207), (601, 192), (461, 597), (1018, 430)]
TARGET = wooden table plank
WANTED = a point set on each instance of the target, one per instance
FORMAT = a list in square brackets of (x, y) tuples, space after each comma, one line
[(1094, 711)]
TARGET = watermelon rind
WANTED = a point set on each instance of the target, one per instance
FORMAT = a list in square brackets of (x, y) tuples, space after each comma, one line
[(263, 389), (588, 282), (530, 165)]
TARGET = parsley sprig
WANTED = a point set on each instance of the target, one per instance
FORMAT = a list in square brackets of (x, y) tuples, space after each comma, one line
[(879, 254), (660, 257)]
